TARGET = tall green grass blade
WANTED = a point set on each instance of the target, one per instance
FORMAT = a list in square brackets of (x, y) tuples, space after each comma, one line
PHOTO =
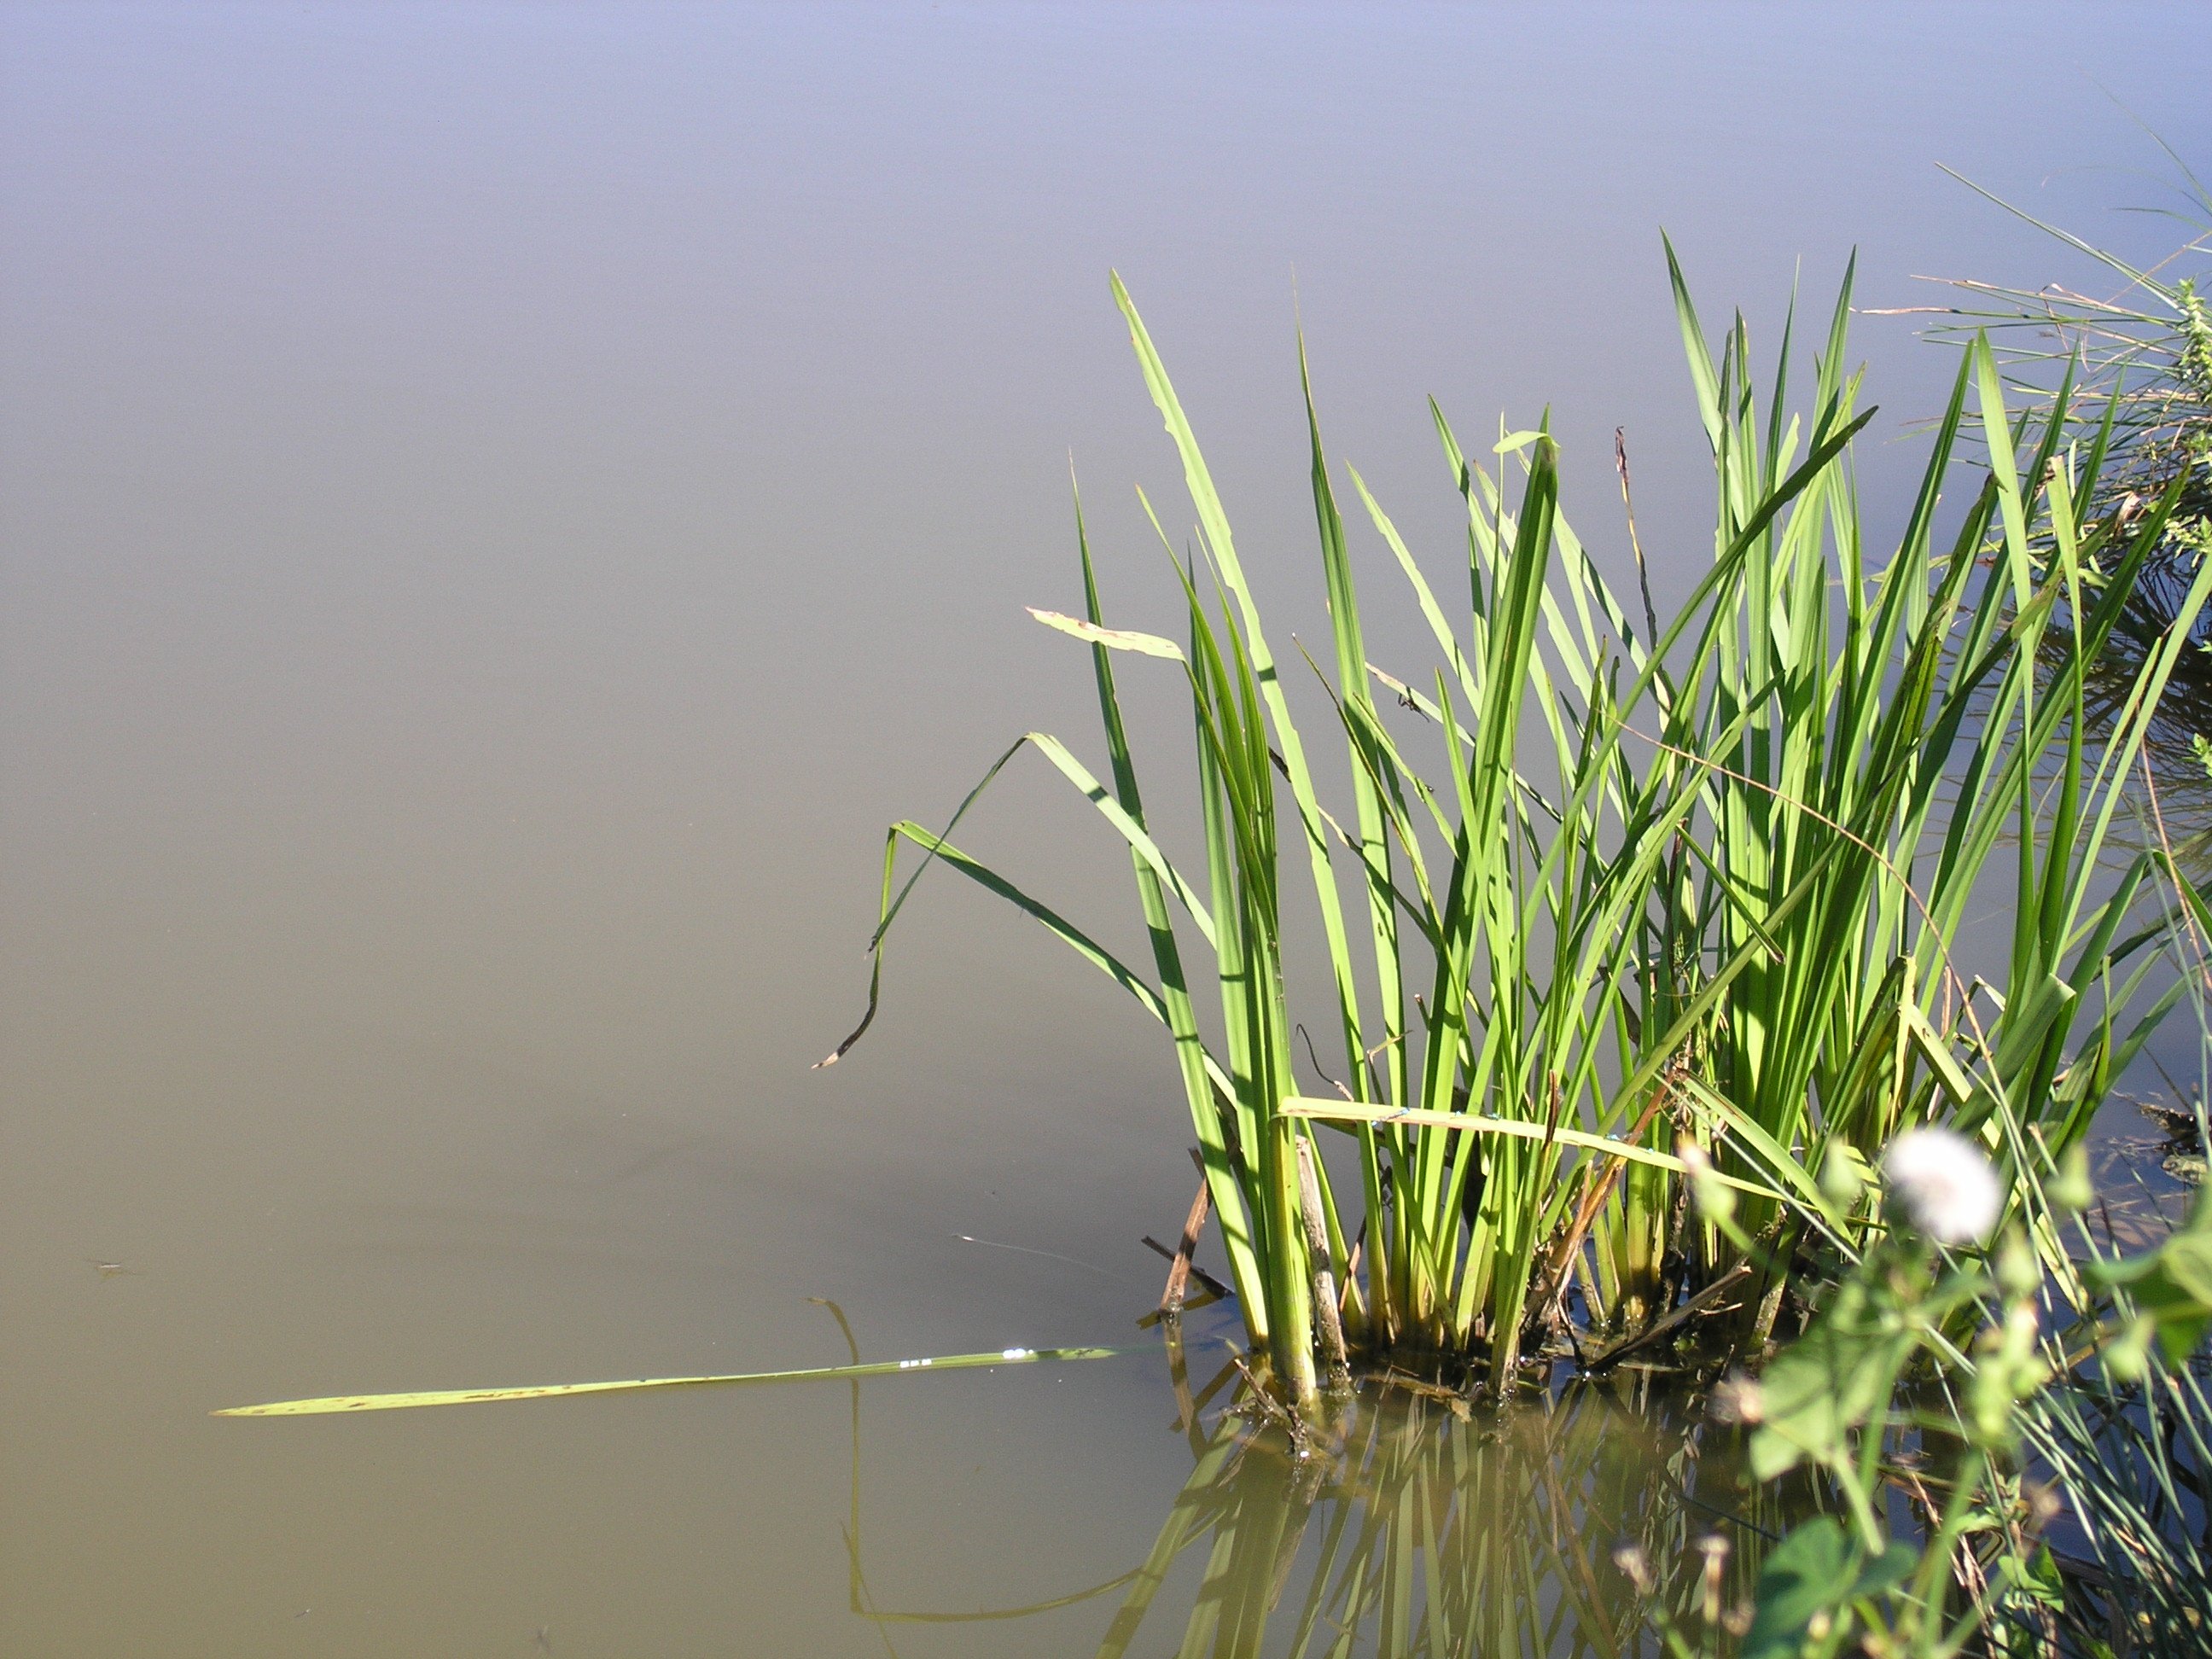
[(1208, 1093)]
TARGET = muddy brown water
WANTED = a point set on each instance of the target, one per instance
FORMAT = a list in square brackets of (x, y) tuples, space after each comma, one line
[(501, 505)]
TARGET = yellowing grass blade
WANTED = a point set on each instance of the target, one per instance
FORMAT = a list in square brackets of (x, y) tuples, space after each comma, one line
[(393, 1403), (1115, 639), (1348, 1111)]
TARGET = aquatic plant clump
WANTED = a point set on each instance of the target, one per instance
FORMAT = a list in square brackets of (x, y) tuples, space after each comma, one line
[(1616, 900)]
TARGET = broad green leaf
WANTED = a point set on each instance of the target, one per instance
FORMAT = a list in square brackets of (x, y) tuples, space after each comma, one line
[(1827, 1383), (1808, 1573)]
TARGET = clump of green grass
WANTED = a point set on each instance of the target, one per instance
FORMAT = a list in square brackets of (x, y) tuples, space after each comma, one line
[(1617, 891)]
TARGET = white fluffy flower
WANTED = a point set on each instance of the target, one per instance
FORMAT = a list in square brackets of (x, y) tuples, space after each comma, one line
[(1942, 1185)]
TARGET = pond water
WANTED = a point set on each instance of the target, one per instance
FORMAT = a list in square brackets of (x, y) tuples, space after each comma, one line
[(501, 503)]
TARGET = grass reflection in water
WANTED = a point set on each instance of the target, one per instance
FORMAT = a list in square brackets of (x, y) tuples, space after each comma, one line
[(1409, 1524)]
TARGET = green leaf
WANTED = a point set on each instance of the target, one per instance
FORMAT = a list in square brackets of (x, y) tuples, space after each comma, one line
[(2171, 1286), (1936, 1052), (1887, 1572), (1809, 1572), (1827, 1384)]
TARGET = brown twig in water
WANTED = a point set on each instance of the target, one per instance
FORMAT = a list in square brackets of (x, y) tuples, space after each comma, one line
[(1551, 1302), (1180, 1266), (1220, 1291)]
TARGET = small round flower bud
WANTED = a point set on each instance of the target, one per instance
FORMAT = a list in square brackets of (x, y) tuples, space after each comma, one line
[(1738, 1399), (1635, 1567), (1942, 1186)]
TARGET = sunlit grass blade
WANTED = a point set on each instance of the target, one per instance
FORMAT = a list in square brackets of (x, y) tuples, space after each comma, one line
[(393, 1403), (1343, 1111)]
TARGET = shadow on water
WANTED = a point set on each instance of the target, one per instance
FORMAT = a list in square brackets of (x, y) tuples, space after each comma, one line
[(1415, 1524), (2175, 754)]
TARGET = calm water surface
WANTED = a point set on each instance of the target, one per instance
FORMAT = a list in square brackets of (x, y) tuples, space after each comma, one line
[(501, 503)]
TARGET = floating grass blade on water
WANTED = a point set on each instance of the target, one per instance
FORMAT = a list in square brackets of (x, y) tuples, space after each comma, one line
[(388, 1402)]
